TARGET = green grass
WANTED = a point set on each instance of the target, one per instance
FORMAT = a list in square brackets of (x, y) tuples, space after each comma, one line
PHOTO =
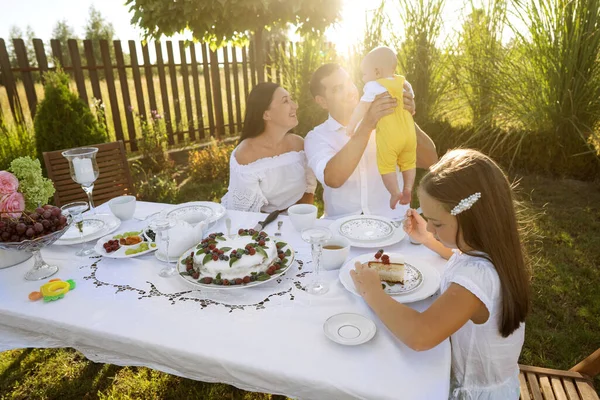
[(563, 328)]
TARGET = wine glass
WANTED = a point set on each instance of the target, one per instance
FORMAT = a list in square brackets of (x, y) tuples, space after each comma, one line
[(317, 236), (161, 226), (76, 209), (84, 169)]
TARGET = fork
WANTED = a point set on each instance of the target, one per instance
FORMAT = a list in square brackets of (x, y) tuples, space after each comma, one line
[(398, 222)]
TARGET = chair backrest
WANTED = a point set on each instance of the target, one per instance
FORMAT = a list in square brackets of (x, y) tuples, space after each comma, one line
[(114, 178)]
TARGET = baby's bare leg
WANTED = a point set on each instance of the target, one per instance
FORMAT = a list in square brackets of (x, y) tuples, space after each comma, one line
[(409, 180), (391, 184)]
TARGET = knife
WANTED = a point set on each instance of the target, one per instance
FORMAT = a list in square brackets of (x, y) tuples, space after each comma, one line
[(270, 218)]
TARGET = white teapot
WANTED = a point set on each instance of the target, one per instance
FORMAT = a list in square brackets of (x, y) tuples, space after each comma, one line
[(181, 238)]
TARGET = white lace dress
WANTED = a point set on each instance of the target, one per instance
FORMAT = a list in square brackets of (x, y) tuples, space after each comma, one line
[(484, 364), (268, 184)]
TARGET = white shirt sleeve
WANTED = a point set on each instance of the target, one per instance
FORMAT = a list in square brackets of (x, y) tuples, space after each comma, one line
[(372, 89), (318, 153), (480, 278), (311, 180), (410, 89), (244, 192)]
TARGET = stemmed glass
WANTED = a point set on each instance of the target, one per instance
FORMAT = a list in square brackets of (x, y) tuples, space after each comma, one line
[(76, 209), (161, 225), (317, 236), (84, 169)]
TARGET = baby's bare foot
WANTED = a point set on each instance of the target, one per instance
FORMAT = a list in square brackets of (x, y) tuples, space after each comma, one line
[(405, 196)]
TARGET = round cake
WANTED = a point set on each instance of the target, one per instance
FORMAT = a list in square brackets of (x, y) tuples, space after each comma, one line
[(246, 257)]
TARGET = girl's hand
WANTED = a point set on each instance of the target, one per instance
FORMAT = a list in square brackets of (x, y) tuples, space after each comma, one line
[(416, 227), (365, 279)]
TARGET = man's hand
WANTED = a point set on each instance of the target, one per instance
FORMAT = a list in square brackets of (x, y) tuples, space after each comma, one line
[(383, 105), (408, 98)]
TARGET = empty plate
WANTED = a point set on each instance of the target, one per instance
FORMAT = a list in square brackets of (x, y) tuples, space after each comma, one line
[(89, 226), (349, 329), (197, 211), (365, 228)]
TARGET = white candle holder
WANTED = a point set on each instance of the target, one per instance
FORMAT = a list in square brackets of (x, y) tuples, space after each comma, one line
[(84, 169)]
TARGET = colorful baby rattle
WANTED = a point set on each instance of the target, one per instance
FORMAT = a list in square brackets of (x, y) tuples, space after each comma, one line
[(55, 289)]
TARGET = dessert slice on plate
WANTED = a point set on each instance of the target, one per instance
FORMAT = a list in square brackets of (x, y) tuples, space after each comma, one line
[(390, 270)]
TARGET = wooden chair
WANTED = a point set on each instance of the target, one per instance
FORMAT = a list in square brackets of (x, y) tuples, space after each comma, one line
[(114, 179), (552, 384)]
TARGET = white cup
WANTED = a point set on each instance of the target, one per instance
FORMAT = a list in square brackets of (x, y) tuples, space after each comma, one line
[(303, 216), (335, 258), (122, 207)]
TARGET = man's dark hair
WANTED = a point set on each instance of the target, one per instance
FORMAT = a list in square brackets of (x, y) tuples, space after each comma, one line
[(316, 87)]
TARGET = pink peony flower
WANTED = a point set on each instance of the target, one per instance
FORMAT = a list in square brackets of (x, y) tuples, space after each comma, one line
[(8, 183), (12, 205)]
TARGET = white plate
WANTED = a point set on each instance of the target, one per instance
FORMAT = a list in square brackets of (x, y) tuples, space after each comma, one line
[(91, 225), (349, 329), (183, 274), (430, 285), (396, 235), (197, 211), (111, 224), (366, 228), (413, 277), (120, 253)]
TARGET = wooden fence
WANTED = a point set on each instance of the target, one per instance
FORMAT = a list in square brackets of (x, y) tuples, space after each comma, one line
[(199, 95)]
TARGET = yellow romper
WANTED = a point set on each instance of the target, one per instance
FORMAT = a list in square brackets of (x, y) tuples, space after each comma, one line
[(395, 133)]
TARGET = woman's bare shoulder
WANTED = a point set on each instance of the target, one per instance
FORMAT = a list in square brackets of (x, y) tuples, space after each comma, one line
[(295, 142), (244, 153)]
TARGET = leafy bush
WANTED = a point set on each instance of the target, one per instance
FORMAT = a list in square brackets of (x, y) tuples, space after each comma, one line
[(153, 144), (211, 163), (159, 187), (62, 120), (17, 141)]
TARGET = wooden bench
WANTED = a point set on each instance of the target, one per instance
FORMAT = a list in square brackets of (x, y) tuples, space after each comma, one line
[(114, 178), (552, 384)]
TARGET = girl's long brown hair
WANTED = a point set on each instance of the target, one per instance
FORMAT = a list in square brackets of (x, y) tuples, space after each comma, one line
[(489, 226)]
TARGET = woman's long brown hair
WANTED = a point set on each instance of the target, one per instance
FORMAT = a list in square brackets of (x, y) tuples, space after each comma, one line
[(489, 226)]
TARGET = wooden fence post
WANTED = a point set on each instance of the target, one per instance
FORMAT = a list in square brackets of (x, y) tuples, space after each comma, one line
[(197, 95), (216, 79), (9, 83), (174, 90), (163, 89), (21, 54), (186, 91), (112, 92), (207, 89), (125, 93)]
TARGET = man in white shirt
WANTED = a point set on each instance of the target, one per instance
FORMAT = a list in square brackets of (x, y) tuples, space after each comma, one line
[(347, 166)]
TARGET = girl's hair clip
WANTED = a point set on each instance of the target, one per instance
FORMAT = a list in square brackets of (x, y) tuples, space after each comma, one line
[(465, 203)]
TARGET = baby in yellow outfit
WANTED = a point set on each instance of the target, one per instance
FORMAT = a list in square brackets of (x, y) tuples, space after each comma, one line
[(395, 134)]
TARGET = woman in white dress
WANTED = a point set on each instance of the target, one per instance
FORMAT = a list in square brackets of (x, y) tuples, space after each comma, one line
[(268, 169)]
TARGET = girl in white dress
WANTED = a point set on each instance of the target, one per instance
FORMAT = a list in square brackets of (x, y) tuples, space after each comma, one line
[(268, 169), (468, 203)]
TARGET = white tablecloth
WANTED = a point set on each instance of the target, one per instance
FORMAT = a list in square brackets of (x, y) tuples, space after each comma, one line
[(267, 339)]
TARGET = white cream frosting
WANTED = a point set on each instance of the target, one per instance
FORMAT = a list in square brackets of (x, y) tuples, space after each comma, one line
[(243, 266)]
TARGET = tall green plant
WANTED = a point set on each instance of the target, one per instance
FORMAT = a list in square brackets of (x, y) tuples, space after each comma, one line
[(477, 64), (419, 59), (557, 62), (296, 71)]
